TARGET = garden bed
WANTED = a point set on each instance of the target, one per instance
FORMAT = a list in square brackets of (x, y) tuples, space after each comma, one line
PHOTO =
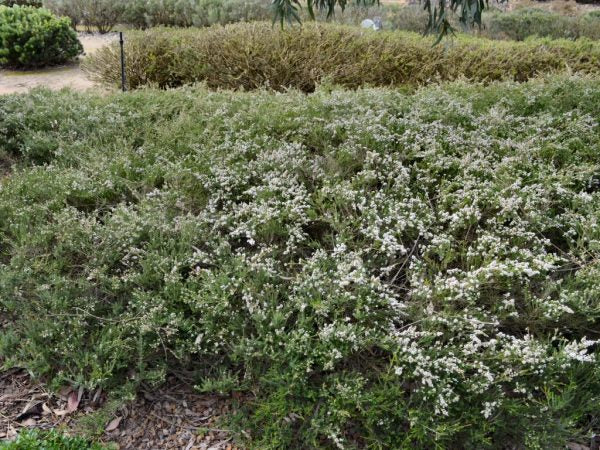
[(366, 268)]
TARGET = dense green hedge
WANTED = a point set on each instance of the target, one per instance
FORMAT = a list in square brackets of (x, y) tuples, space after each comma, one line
[(253, 55), (369, 268), (34, 37)]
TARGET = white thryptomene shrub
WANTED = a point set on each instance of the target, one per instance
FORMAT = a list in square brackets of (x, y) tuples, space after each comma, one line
[(370, 268)]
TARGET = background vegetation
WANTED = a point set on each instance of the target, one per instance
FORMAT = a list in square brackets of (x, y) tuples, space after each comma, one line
[(9, 3), (103, 15), (517, 24), (369, 268)]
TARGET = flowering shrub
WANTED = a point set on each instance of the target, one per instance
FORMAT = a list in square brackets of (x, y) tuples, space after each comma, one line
[(255, 55), (373, 268)]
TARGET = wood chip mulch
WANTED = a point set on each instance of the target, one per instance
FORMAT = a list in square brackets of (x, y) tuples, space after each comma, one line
[(171, 417)]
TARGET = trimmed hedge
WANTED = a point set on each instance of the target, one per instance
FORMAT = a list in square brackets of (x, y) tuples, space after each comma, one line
[(34, 37), (255, 55)]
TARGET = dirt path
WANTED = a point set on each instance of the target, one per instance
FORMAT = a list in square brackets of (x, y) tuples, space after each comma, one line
[(71, 75)]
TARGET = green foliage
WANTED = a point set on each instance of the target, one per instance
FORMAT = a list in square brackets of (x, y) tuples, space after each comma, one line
[(10, 3), (518, 24), (523, 23), (374, 269), (51, 440), (254, 55), (593, 14), (34, 37), (103, 15)]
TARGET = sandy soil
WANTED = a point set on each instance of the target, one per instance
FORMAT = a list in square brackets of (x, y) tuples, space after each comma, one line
[(71, 75)]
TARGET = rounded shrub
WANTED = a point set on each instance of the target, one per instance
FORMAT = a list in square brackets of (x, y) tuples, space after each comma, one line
[(34, 37)]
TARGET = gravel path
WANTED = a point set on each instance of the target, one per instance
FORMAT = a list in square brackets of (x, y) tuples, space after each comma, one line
[(71, 75)]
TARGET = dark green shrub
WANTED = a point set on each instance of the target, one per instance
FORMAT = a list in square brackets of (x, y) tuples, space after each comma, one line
[(254, 55), (34, 37)]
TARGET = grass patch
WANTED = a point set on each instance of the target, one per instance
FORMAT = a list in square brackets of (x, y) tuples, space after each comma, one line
[(368, 268), (50, 440)]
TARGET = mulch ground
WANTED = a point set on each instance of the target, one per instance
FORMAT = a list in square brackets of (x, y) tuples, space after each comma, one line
[(171, 417)]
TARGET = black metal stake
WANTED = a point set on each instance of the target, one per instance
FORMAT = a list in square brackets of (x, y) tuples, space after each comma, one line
[(122, 62)]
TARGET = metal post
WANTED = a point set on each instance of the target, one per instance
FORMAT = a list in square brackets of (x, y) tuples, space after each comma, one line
[(122, 62)]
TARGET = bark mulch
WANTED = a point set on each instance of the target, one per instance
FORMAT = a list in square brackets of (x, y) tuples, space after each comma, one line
[(171, 417)]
